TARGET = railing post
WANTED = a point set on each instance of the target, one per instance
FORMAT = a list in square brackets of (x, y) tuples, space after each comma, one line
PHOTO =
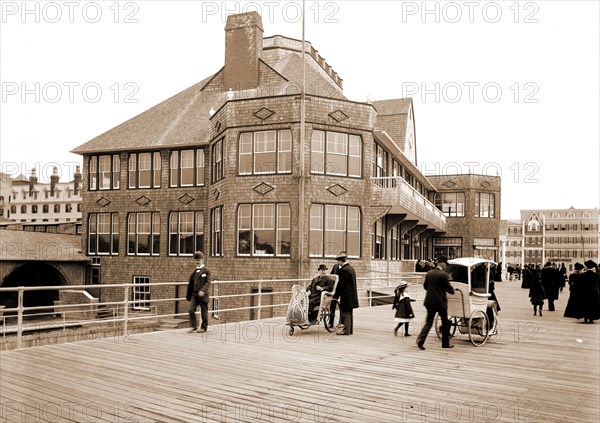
[(370, 292), (126, 312), (20, 318), (259, 299)]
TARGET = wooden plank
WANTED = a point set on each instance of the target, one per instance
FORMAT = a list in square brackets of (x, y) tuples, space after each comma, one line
[(536, 369)]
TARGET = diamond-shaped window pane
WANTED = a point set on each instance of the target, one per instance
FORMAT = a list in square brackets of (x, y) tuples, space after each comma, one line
[(338, 115), (143, 200), (337, 190), (103, 202), (263, 188), (264, 113), (186, 199)]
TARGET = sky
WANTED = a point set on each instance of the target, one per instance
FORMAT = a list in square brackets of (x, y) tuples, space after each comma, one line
[(507, 88)]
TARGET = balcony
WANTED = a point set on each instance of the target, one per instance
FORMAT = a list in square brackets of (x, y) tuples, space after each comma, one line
[(402, 198)]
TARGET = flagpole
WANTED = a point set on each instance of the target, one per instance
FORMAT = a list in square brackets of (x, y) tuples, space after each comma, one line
[(301, 205)]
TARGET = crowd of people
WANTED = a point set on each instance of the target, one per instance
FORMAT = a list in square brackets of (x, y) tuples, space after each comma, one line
[(547, 283), (544, 284)]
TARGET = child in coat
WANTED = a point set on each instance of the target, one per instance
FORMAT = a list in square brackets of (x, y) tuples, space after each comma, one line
[(404, 311)]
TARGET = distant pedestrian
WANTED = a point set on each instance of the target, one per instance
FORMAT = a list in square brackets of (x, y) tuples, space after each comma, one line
[(537, 295), (551, 280), (591, 293), (576, 291), (404, 312), (197, 293), (437, 284)]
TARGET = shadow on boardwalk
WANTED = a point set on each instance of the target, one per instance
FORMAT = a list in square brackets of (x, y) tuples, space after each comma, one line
[(535, 370)]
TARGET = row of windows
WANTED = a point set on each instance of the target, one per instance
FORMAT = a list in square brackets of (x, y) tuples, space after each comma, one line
[(262, 230), (452, 204), (556, 254), (47, 194), (45, 208), (259, 153)]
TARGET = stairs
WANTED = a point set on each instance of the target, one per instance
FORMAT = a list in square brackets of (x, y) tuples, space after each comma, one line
[(172, 323)]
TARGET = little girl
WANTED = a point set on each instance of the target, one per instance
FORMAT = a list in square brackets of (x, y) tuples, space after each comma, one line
[(404, 311)]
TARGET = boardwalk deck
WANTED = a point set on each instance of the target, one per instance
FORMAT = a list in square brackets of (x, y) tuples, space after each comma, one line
[(535, 370)]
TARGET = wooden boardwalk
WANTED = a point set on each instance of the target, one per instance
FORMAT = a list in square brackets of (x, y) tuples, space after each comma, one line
[(535, 370)]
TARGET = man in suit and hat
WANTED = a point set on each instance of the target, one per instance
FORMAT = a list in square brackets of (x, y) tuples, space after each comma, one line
[(437, 285), (197, 293), (321, 282), (347, 292)]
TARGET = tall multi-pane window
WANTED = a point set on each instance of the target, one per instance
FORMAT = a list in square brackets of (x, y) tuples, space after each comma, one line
[(187, 168), (103, 233), (265, 152), (264, 229), (144, 170), (378, 239), (336, 153), (334, 228), (484, 204), (143, 234), (452, 204), (218, 171), (216, 231), (186, 233), (104, 172)]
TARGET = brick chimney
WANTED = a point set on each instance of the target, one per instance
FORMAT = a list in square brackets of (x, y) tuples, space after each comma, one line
[(53, 180), (243, 49), (77, 180), (32, 181)]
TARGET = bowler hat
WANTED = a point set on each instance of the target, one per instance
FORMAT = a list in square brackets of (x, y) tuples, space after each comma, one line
[(578, 266), (341, 255), (442, 259), (198, 255), (590, 264), (322, 267)]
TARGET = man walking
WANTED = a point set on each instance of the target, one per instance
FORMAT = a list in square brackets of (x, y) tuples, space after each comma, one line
[(197, 293), (347, 293), (437, 285)]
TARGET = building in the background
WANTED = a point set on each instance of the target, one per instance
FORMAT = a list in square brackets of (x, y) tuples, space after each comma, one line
[(511, 241), (42, 206), (471, 204), (560, 236)]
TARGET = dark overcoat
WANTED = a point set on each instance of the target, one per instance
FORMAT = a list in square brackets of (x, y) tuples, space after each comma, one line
[(347, 290), (437, 285), (200, 280)]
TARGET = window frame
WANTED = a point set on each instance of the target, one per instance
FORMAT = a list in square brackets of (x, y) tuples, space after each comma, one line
[(154, 171), (281, 219), (113, 234), (197, 235), (327, 145), (325, 220), (248, 145), (134, 221)]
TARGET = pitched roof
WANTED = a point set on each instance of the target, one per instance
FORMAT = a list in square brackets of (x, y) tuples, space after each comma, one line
[(392, 117), (184, 120), (39, 246)]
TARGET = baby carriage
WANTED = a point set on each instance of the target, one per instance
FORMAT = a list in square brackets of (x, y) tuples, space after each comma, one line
[(328, 310)]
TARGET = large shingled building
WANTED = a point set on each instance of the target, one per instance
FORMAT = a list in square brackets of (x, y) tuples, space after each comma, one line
[(268, 182)]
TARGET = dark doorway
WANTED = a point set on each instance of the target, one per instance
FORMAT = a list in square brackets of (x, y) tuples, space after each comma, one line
[(32, 274)]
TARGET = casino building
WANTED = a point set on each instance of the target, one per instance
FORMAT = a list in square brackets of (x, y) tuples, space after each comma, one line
[(267, 180)]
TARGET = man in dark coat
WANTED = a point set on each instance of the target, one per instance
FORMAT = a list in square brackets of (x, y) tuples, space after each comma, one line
[(347, 292), (437, 285), (197, 293), (551, 281)]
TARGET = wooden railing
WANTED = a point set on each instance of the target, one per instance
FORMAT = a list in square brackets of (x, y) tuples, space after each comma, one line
[(123, 312)]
